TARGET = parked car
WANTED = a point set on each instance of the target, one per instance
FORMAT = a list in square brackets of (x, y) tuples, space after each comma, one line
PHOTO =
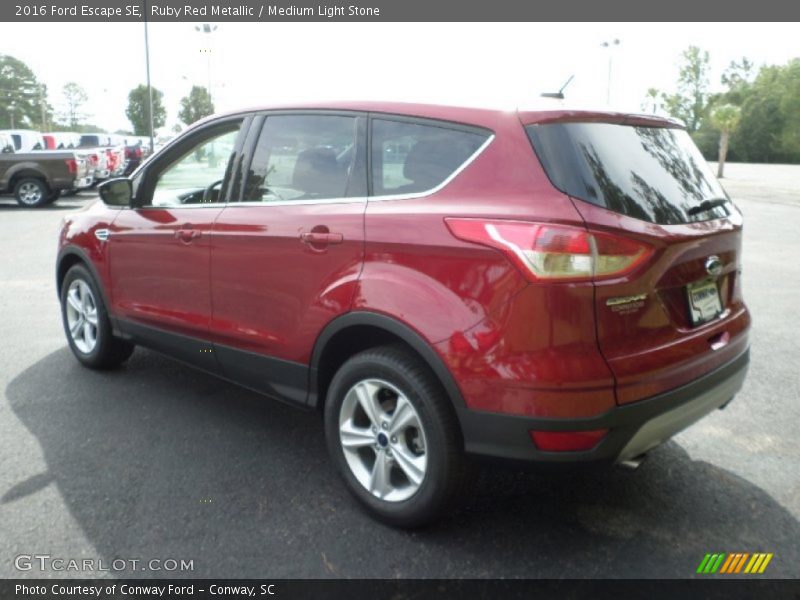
[(6, 143), (553, 287), (117, 156), (61, 140), (107, 154), (25, 140), (90, 140), (38, 178)]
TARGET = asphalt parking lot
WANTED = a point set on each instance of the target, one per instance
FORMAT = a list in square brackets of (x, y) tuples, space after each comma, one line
[(158, 461)]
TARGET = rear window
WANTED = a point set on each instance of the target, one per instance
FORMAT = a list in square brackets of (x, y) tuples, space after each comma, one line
[(90, 140), (411, 158), (654, 174)]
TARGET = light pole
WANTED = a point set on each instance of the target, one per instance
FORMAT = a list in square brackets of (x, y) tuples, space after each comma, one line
[(149, 87), (609, 46), (209, 29)]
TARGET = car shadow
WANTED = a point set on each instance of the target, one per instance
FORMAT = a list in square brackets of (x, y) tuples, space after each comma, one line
[(157, 460)]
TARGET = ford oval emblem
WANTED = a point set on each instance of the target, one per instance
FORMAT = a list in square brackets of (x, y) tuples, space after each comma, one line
[(713, 265)]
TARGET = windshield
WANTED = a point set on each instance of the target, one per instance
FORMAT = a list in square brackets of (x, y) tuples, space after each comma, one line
[(654, 174)]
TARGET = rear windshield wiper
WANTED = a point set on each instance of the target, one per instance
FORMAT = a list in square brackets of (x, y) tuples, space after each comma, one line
[(707, 205)]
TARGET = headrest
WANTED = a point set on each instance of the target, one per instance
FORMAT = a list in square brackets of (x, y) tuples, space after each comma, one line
[(317, 172)]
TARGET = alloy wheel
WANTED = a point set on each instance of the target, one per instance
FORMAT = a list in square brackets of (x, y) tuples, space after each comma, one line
[(383, 440), (30, 193), (81, 311)]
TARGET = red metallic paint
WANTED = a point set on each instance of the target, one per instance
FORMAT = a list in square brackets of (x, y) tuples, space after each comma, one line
[(512, 346), (272, 293), (160, 272), (652, 348)]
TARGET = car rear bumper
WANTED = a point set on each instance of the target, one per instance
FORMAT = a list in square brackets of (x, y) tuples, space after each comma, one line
[(633, 428), (82, 182)]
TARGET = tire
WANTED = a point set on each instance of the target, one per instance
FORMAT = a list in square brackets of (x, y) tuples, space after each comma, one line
[(31, 192), (54, 195), (395, 377), (94, 345)]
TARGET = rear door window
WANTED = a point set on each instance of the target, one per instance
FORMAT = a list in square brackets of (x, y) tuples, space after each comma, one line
[(302, 158), (412, 158), (655, 174)]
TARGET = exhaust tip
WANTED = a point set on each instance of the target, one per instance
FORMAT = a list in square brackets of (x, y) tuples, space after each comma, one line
[(632, 464)]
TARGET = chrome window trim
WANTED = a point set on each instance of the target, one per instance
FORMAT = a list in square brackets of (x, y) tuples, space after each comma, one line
[(177, 206), (351, 200), (439, 187)]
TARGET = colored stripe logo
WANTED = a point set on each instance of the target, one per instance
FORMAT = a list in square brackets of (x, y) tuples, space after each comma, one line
[(734, 562)]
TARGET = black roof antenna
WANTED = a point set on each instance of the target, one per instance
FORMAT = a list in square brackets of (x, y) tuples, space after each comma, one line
[(559, 95)]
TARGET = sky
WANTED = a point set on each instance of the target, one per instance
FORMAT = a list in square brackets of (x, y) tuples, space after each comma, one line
[(498, 65)]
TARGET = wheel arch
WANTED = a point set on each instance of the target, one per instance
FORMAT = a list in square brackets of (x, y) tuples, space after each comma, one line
[(359, 330), (69, 257), (24, 172)]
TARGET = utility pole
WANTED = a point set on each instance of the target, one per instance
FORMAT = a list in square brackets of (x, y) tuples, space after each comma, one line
[(13, 108)]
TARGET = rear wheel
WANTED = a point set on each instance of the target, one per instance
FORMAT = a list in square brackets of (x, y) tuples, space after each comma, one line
[(31, 192), (86, 322), (392, 434)]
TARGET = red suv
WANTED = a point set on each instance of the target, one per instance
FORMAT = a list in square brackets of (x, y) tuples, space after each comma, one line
[(549, 287)]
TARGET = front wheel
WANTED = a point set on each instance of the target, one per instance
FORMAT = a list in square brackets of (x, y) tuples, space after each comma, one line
[(393, 435), (86, 322)]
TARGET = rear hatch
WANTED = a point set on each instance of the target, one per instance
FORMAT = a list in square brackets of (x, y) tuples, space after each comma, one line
[(680, 313)]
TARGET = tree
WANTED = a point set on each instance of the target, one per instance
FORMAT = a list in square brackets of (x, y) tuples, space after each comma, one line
[(196, 105), (74, 99), (689, 103), (653, 101), (725, 118), (138, 112), (737, 73), (23, 99)]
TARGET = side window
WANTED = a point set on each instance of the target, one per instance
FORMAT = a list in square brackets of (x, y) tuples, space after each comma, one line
[(409, 158), (301, 157), (197, 176)]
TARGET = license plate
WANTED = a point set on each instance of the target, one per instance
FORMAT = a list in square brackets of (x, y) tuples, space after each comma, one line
[(704, 301)]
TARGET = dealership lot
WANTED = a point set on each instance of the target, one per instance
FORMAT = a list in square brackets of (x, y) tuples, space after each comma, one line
[(156, 461)]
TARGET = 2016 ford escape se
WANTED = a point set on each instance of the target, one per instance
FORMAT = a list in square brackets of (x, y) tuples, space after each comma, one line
[(550, 286)]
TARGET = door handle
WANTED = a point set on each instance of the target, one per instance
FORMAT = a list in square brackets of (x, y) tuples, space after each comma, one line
[(187, 235), (321, 238)]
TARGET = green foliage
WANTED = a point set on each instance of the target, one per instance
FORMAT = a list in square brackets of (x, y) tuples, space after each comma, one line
[(726, 117), (22, 94), (690, 101), (138, 112), (768, 105), (196, 105)]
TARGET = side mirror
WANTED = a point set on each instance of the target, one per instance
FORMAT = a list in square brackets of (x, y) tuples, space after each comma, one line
[(116, 192)]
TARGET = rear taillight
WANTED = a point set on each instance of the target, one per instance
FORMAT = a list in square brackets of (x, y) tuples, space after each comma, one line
[(567, 441), (555, 252), (72, 166)]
